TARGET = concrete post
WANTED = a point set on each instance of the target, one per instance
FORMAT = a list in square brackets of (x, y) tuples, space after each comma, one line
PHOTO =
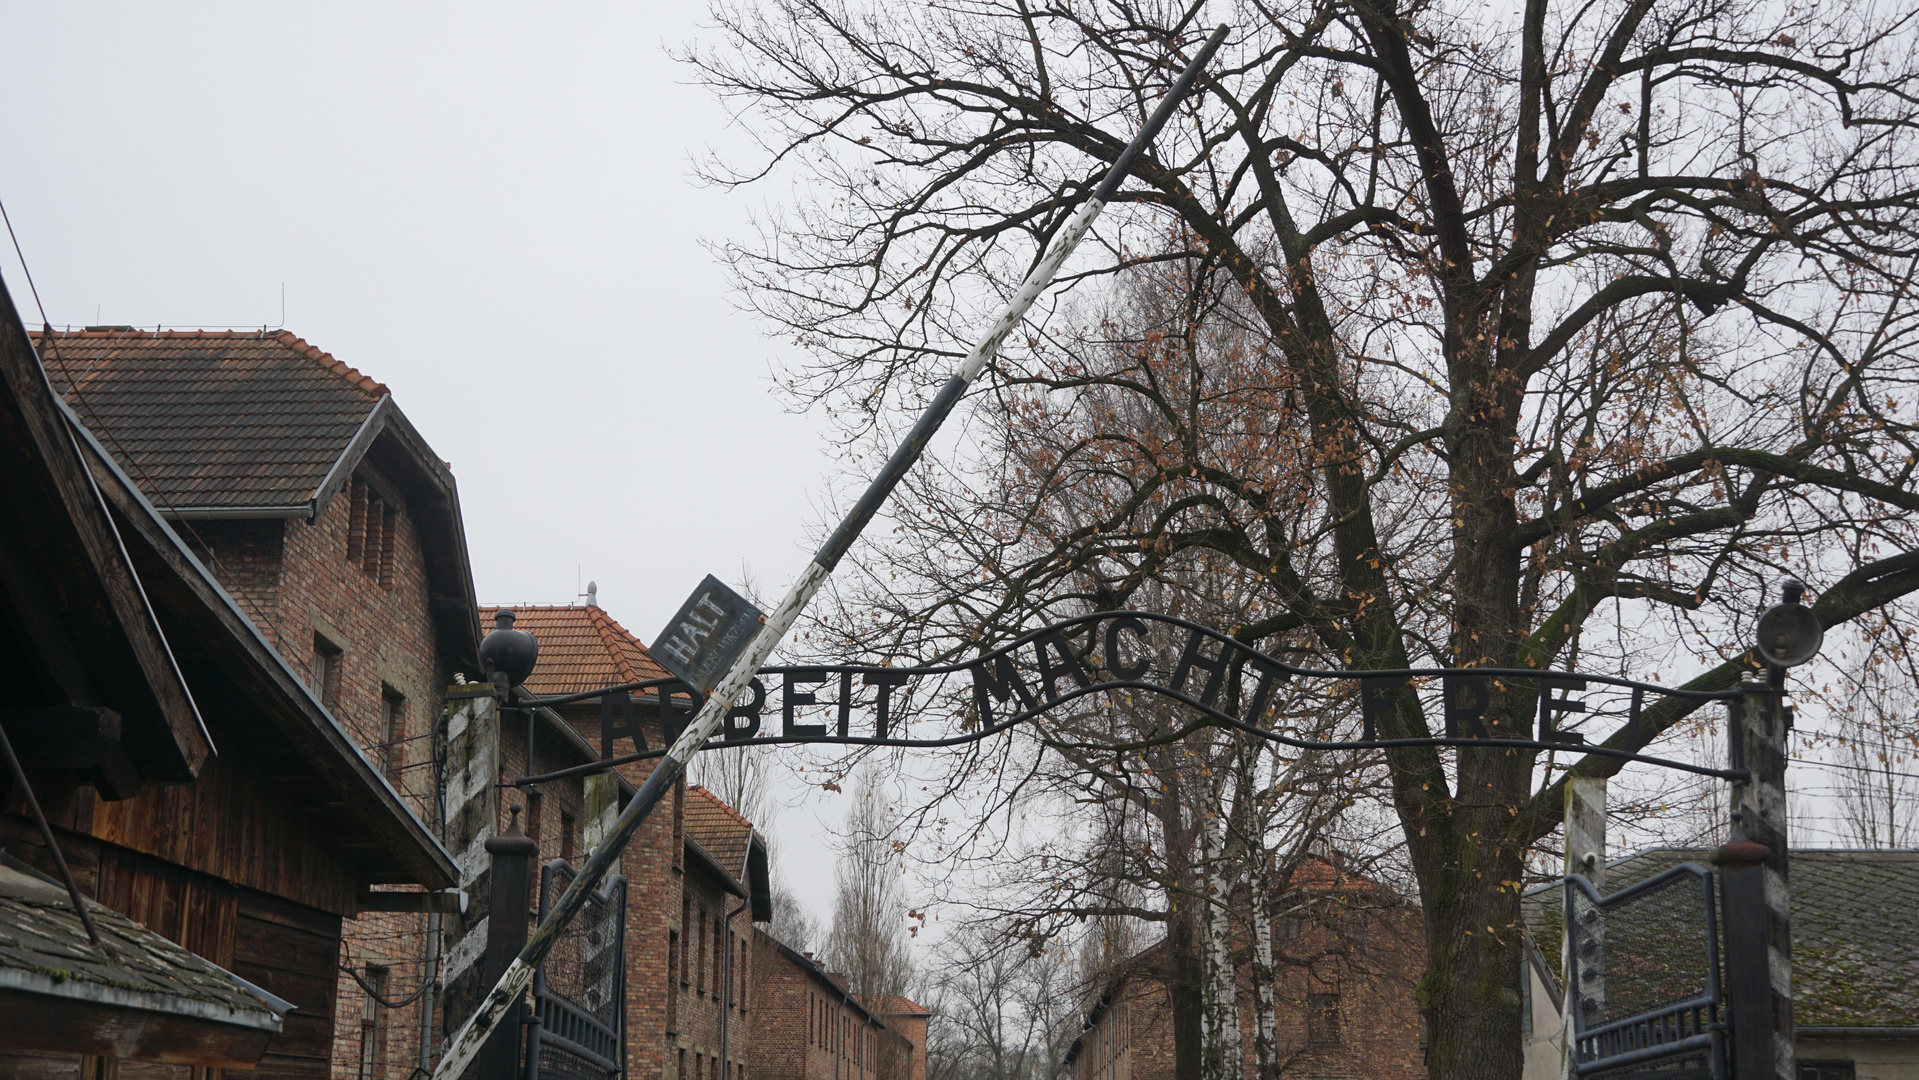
[(1586, 855), (1754, 897), (513, 854)]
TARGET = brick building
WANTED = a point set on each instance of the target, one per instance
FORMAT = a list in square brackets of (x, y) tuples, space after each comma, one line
[(909, 1018), (696, 870), (709, 995), (808, 1027), (1343, 993), (326, 518)]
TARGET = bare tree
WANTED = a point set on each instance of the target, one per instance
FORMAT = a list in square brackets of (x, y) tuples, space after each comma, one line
[(1468, 337), (868, 940), (1874, 723), (1004, 1013)]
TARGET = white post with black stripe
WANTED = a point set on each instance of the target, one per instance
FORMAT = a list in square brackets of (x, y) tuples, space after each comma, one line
[(497, 1003)]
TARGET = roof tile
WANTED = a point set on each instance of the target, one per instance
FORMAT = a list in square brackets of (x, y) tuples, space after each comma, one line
[(213, 418), (719, 829), (581, 648)]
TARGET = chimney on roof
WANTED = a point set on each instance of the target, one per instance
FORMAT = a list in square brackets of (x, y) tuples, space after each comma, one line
[(808, 955), (592, 594)]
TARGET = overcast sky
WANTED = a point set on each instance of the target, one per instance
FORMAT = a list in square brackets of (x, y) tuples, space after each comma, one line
[(491, 210), (488, 208)]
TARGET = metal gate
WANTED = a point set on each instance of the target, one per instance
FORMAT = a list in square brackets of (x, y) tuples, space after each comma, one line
[(578, 1026), (1643, 979)]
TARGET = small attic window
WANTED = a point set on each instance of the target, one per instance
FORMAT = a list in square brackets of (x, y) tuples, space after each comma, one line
[(371, 525)]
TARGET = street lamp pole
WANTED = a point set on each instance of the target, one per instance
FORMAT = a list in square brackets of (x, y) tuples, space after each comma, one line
[(499, 1001), (1755, 897)]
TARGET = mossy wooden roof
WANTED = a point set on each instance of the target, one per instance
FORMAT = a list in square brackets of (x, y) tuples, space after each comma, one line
[(44, 950), (1855, 930)]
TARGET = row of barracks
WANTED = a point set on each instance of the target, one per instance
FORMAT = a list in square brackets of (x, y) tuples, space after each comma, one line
[(249, 730)]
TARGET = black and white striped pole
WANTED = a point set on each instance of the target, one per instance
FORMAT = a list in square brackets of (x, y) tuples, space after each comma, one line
[(499, 1001)]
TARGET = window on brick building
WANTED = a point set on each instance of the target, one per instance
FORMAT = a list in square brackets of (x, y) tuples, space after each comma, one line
[(371, 1033), (1826, 1070), (1322, 1019), (326, 672), (682, 1069), (372, 525), (1358, 929), (569, 829), (389, 529), (375, 543), (699, 967), (674, 963), (392, 733), (356, 521), (686, 926)]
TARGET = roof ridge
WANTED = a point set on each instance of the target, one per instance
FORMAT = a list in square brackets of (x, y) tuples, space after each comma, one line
[(607, 626), (288, 338), (338, 367)]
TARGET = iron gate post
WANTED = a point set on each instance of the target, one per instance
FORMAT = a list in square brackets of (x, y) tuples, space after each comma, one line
[(1755, 900), (507, 916)]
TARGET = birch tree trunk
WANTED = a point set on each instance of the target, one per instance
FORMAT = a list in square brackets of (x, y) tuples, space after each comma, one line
[(1222, 1050)]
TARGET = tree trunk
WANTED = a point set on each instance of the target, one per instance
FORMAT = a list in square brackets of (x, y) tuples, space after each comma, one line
[(1469, 995), (1265, 1031), (1222, 992), (1185, 987)]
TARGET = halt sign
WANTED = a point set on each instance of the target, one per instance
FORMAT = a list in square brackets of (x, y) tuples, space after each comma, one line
[(713, 628)]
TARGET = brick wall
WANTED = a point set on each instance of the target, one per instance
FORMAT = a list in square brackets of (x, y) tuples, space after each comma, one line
[(1344, 1006), (245, 557), (655, 867), (805, 1028), (330, 586), (677, 1008)]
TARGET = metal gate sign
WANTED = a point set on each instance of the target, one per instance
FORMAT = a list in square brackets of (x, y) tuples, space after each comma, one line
[(1642, 978), (713, 628)]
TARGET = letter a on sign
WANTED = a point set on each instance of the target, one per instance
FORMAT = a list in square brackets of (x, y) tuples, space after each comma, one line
[(713, 628)]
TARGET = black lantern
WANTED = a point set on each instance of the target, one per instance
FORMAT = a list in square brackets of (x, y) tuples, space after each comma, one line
[(507, 653)]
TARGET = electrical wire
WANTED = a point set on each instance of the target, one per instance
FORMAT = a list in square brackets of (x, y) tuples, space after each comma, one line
[(47, 350), (425, 984), (1817, 764)]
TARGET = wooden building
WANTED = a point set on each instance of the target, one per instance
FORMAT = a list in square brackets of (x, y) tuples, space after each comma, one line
[(260, 834), (301, 487)]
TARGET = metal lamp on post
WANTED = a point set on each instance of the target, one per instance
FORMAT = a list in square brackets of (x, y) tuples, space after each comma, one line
[(508, 655), (1755, 895)]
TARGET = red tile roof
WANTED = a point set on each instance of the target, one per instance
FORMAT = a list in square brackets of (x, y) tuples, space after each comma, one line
[(213, 418), (581, 648), (719, 829), (895, 1005)]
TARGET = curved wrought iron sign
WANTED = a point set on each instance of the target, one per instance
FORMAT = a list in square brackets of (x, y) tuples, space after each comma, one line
[(1045, 669)]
